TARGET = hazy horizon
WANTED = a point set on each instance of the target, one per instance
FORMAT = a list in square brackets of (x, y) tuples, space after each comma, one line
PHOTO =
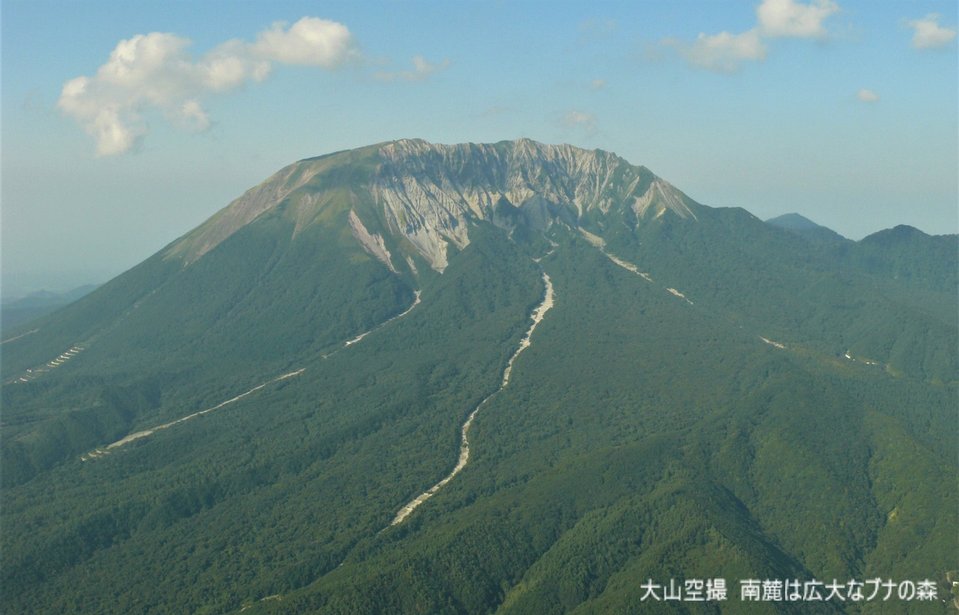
[(16, 285), (131, 127)]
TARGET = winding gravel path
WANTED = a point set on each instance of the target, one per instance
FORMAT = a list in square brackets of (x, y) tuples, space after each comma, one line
[(100, 452), (464, 457), (106, 450), (19, 336), (359, 337)]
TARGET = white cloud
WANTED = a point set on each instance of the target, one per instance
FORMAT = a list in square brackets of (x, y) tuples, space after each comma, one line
[(929, 34), (722, 52), (157, 72), (867, 96), (311, 41), (786, 18), (422, 69), (231, 65), (725, 52), (192, 116)]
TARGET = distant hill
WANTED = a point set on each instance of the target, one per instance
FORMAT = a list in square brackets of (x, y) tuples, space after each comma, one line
[(32, 306), (805, 227), (509, 377), (903, 253), (906, 253)]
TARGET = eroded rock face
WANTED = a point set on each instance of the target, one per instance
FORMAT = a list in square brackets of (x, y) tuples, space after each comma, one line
[(662, 197), (429, 194), (371, 242)]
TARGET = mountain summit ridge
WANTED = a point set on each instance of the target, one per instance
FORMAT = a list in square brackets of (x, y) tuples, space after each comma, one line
[(427, 194)]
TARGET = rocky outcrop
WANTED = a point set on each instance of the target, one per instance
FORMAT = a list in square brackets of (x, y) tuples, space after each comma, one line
[(430, 192), (371, 242)]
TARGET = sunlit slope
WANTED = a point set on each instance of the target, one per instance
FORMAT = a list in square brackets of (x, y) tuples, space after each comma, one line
[(645, 439), (166, 337), (287, 482), (790, 289), (237, 421)]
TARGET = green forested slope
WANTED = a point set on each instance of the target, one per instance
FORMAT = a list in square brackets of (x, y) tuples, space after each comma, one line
[(642, 436), (286, 481), (789, 290), (258, 303), (651, 454)]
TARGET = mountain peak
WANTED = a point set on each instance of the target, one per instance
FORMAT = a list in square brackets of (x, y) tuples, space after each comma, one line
[(804, 227), (794, 222), (901, 232), (429, 194)]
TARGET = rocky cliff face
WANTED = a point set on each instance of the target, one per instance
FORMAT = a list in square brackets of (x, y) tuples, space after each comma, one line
[(429, 194)]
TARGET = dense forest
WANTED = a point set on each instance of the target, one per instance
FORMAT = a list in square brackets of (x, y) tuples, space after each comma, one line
[(709, 397)]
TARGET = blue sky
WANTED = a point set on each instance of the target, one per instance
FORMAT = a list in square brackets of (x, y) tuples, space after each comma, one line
[(845, 111)]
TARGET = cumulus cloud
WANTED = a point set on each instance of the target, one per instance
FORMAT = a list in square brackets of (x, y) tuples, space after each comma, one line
[(867, 96), (722, 52), (311, 41), (192, 116), (157, 72), (725, 52), (786, 18), (928, 34), (422, 69)]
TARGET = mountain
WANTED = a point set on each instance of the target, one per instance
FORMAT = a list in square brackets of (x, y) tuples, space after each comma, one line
[(24, 309), (508, 377), (794, 221), (904, 253), (805, 227)]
